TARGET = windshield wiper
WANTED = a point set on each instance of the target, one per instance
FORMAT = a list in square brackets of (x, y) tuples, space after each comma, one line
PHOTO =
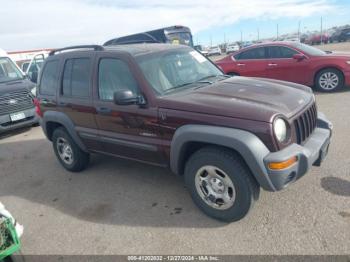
[(202, 80), (199, 81), (179, 86)]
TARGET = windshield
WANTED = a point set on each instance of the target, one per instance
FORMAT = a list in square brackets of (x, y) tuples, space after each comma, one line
[(175, 70), (309, 49), (8, 71), (180, 38)]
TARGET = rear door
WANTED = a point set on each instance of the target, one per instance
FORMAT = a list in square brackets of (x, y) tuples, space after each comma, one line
[(75, 96), (129, 131), (281, 65), (251, 62)]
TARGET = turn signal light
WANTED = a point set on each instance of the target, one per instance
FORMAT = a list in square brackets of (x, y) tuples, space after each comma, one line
[(284, 164)]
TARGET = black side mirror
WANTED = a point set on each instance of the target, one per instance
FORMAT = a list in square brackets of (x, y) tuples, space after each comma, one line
[(127, 97), (33, 76)]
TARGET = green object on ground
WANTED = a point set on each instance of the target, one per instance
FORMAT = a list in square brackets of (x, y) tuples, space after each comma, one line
[(9, 241)]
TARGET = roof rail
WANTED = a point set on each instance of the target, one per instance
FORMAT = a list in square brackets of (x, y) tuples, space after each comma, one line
[(95, 47)]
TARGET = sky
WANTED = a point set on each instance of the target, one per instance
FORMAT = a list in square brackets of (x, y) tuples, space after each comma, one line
[(52, 24)]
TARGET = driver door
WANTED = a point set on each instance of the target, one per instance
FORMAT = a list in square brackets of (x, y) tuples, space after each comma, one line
[(129, 131), (281, 65)]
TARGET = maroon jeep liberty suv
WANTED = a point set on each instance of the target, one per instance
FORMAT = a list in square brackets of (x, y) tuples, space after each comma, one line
[(170, 106)]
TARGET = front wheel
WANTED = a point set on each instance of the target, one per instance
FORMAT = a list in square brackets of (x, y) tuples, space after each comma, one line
[(329, 80), (221, 184)]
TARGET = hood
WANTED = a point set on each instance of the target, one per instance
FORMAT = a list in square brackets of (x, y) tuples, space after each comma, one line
[(335, 54), (16, 86), (242, 97)]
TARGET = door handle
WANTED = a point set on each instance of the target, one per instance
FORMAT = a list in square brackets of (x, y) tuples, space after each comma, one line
[(240, 64), (104, 110), (272, 64)]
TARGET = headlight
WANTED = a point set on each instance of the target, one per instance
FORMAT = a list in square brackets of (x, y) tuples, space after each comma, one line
[(280, 128)]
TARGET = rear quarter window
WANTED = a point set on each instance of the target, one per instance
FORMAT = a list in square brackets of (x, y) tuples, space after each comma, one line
[(48, 83)]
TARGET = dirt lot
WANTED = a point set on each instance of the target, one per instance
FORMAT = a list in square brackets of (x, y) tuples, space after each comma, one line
[(340, 47), (121, 207)]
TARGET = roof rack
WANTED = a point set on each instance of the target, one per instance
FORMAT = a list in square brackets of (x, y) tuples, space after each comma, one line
[(94, 47)]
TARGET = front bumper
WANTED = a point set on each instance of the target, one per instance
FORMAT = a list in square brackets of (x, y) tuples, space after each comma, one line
[(311, 153), (30, 119)]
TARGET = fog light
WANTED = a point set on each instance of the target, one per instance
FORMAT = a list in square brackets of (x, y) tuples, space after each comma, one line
[(284, 164)]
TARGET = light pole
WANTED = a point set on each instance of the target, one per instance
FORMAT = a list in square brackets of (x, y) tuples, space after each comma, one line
[(299, 30), (277, 32), (258, 34), (241, 36)]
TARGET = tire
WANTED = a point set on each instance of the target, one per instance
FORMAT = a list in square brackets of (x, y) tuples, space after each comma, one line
[(228, 166), (329, 73), (75, 159)]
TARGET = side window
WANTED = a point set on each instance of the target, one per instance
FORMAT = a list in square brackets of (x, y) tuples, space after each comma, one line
[(287, 52), (76, 77), (281, 52), (49, 78), (255, 53), (113, 75)]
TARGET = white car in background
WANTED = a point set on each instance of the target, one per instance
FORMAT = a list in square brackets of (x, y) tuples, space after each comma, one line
[(231, 48), (214, 50), (32, 67), (202, 49)]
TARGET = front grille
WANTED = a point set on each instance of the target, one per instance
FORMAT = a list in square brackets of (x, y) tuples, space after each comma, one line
[(15, 101), (305, 124)]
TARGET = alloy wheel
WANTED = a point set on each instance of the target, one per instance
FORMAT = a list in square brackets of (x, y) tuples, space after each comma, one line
[(328, 81), (65, 151)]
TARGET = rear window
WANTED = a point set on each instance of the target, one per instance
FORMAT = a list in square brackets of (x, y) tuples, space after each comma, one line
[(48, 83), (76, 77)]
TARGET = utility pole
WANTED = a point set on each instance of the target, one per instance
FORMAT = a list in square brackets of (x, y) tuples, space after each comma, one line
[(258, 34), (321, 31), (211, 41), (241, 36), (277, 32), (224, 38), (299, 31)]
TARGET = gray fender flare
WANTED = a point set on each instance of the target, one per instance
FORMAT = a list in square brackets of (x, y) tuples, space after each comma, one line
[(66, 122), (249, 146)]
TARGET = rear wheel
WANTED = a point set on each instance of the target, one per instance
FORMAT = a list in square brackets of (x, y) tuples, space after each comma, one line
[(68, 152), (220, 183), (329, 80)]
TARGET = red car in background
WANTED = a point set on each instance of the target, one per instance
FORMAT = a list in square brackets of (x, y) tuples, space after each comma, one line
[(317, 39), (291, 61)]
